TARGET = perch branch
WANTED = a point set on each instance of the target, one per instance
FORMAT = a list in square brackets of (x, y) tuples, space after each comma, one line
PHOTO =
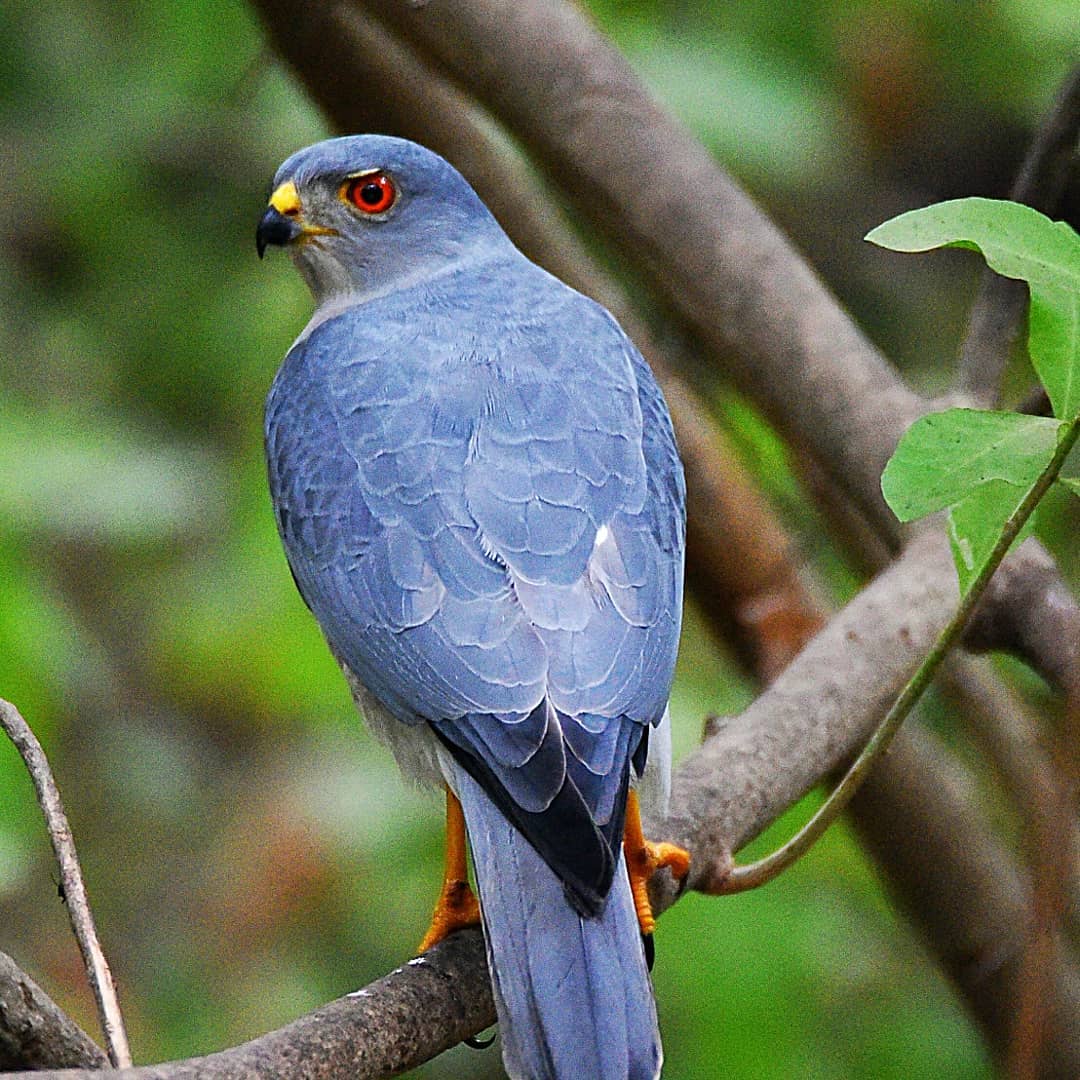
[(389, 1027), (812, 719), (82, 921), (767, 758)]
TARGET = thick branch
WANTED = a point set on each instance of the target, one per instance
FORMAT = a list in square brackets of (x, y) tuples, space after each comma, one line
[(391, 1026), (34, 1031), (705, 246), (816, 714)]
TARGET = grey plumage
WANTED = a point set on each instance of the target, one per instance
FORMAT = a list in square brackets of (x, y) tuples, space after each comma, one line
[(476, 483), (579, 982)]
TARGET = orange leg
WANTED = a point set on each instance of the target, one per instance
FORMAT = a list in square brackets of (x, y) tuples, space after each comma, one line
[(643, 859), (457, 906)]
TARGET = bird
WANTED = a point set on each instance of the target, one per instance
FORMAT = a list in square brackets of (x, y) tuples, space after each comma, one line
[(476, 482)]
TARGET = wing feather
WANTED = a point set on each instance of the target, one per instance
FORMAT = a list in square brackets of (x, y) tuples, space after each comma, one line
[(491, 539)]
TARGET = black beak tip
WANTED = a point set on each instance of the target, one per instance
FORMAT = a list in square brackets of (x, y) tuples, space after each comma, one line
[(274, 228)]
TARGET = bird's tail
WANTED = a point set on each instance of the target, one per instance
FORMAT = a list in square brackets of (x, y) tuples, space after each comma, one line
[(572, 993)]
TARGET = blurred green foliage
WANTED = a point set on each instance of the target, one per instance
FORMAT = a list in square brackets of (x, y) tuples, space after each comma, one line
[(251, 853)]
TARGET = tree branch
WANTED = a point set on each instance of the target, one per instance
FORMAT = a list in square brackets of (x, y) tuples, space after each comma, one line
[(813, 718), (34, 1031), (389, 1027), (705, 247)]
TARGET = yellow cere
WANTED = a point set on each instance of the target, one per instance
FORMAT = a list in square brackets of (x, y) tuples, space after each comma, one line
[(286, 199)]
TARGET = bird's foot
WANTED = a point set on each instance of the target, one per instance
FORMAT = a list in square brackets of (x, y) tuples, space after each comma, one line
[(641, 864), (456, 909), (643, 859)]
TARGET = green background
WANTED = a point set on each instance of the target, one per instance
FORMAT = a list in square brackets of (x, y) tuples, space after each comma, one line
[(249, 850)]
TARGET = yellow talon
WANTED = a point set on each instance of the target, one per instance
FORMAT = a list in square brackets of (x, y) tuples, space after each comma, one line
[(457, 906), (644, 858)]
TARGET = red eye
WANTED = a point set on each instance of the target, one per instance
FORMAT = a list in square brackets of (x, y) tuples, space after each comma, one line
[(373, 193)]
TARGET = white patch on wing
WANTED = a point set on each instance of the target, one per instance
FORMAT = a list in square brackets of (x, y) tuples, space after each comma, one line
[(605, 557), (607, 573)]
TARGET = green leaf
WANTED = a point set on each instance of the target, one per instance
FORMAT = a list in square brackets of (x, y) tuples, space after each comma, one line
[(1054, 345), (1071, 482), (975, 523), (945, 456), (1014, 239), (1020, 243)]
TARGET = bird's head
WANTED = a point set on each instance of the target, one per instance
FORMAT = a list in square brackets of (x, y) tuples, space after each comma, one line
[(364, 213)]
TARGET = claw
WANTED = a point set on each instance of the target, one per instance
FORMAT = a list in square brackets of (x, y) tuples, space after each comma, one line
[(644, 858), (457, 906)]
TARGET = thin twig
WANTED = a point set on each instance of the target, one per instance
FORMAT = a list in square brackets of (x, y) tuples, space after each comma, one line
[(82, 920)]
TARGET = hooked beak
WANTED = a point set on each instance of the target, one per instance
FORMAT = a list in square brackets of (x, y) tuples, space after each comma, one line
[(275, 228), (283, 223)]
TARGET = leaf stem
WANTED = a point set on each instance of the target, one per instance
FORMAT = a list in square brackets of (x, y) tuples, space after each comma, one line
[(750, 876)]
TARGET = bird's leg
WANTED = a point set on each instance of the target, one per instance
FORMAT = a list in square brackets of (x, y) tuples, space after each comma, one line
[(644, 858), (457, 906)]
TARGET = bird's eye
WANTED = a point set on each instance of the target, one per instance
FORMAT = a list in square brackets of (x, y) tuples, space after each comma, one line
[(374, 193)]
